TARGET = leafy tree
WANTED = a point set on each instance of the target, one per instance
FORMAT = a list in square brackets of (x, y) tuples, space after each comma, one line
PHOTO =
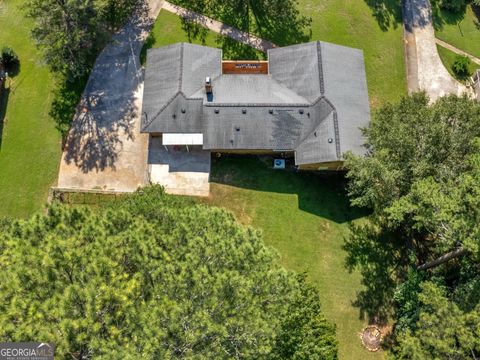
[(422, 164), (68, 32), (9, 59), (454, 6), (421, 179), (444, 331), (154, 277), (114, 13)]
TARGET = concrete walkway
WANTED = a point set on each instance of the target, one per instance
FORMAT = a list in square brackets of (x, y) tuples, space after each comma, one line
[(457, 50), (104, 149), (220, 28), (425, 70)]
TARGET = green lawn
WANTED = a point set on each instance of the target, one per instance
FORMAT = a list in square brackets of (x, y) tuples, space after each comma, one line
[(30, 145), (168, 30), (461, 31), (448, 58), (305, 217)]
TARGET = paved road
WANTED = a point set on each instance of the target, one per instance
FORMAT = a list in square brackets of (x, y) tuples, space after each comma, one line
[(104, 149), (425, 70), (457, 51), (220, 28)]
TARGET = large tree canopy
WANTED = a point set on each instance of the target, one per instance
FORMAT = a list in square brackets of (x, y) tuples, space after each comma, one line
[(71, 32), (421, 174), (154, 277), (421, 179)]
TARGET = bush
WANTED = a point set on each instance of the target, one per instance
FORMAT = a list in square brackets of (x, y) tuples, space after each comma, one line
[(461, 66), (453, 5), (9, 59)]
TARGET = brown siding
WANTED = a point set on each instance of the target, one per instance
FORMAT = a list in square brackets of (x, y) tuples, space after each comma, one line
[(337, 165), (245, 67), (254, 152)]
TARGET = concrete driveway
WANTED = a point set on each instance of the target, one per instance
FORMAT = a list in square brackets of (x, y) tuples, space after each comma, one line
[(425, 69), (104, 149)]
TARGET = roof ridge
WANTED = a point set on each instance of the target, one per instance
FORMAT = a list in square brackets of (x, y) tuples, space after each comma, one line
[(320, 68), (335, 126), (180, 75), (281, 105), (149, 122), (336, 129)]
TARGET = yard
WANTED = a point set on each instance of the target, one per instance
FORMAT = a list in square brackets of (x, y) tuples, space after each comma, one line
[(305, 217), (448, 58), (30, 144), (459, 30)]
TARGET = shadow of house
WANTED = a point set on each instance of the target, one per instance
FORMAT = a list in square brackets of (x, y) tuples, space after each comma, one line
[(108, 107), (323, 195)]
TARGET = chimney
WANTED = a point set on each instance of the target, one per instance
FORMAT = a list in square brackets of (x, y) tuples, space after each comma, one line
[(208, 85)]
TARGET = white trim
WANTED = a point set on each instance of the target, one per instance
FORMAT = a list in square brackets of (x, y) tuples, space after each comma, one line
[(182, 139)]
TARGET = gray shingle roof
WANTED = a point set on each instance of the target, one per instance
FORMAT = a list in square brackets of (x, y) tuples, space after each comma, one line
[(313, 101)]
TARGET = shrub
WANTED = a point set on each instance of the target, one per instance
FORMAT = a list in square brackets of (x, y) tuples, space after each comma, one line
[(9, 59), (461, 66), (453, 5)]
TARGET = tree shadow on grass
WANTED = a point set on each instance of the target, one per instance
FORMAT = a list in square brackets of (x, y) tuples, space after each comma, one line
[(4, 95), (443, 17), (476, 12), (388, 13), (277, 22), (323, 195), (234, 50), (378, 256)]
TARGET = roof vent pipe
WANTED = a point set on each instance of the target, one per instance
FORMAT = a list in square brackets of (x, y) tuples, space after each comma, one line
[(208, 85)]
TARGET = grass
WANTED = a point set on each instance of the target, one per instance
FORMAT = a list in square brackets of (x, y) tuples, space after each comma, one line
[(459, 30), (30, 145), (305, 217), (448, 58), (168, 30)]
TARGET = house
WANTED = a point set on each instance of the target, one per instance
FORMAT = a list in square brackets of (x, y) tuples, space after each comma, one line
[(308, 101)]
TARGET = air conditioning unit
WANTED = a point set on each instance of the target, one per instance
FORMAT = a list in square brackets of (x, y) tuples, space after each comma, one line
[(279, 164)]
